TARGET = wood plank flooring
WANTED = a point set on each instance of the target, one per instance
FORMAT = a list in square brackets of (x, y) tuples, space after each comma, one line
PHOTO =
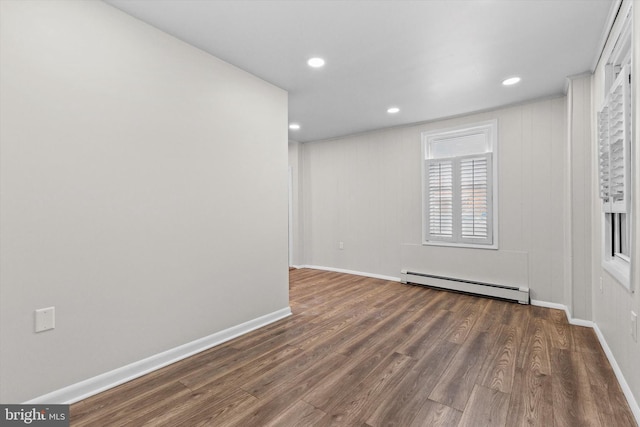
[(367, 352)]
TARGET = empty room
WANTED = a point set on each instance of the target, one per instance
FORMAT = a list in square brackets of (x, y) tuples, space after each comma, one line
[(316, 213)]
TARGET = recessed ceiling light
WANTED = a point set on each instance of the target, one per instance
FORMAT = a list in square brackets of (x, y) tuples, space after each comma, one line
[(511, 81), (316, 62), (393, 110), (294, 126)]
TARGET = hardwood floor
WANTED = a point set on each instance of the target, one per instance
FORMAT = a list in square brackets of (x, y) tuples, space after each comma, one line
[(366, 352)]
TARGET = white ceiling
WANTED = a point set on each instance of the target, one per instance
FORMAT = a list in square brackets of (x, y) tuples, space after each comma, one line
[(430, 58)]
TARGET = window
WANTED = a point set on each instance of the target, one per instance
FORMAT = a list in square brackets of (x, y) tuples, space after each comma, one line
[(459, 175), (614, 129)]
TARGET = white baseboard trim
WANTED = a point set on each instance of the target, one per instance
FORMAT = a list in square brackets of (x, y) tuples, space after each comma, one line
[(635, 408), (612, 360), (549, 305), (357, 273), (102, 382), (571, 320), (580, 322)]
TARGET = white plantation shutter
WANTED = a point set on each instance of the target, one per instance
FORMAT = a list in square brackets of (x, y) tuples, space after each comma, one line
[(459, 199), (439, 198), (613, 145), (619, 110), (603, 152), (475, 201)]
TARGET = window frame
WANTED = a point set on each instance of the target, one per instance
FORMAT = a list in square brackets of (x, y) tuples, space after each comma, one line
[(614, 259), (489, 129)]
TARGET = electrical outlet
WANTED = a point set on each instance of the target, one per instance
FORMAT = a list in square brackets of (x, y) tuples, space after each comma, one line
[(341, 245), (634, 326), (45, 319)]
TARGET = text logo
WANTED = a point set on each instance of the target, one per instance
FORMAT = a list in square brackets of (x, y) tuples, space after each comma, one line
[(34, 415)]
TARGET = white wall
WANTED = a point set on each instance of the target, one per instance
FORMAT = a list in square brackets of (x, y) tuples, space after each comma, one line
[(365, 190), (295, 163), (580, 159), (612, 307), (133, 170)]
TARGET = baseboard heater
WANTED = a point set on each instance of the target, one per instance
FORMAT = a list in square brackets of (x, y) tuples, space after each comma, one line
[(514, 293)]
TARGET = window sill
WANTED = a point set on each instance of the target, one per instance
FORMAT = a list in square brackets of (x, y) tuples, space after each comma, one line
[(459, 245), (620, 270)]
